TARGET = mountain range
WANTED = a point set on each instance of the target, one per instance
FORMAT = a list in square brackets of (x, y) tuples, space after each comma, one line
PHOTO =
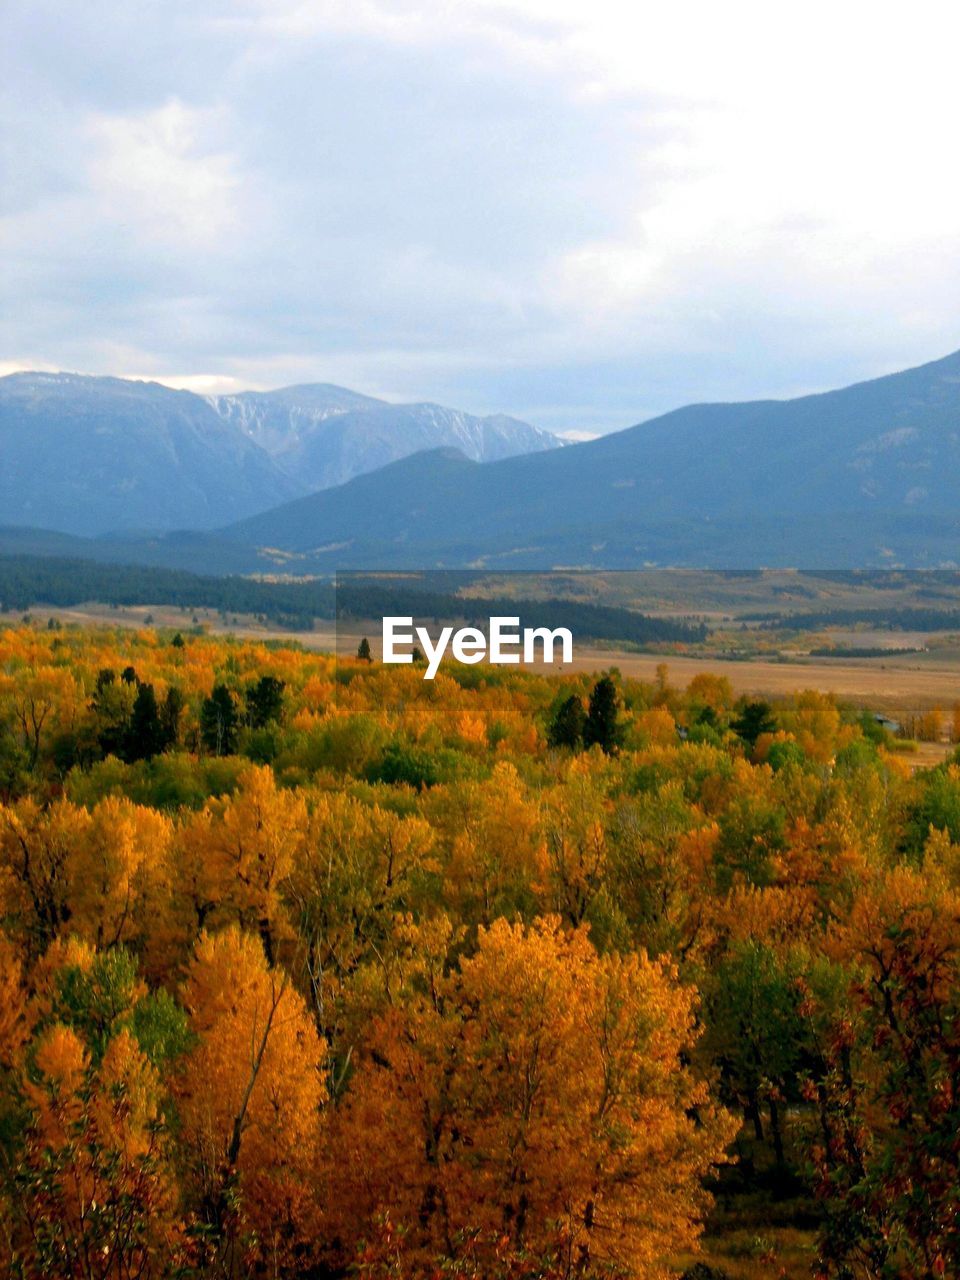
[(868, 475), (94, 455), (861, 477)]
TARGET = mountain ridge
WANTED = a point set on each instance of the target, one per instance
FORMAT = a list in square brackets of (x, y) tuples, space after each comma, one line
[(863, 476), (324, 435), (868, 473), (90, 455)]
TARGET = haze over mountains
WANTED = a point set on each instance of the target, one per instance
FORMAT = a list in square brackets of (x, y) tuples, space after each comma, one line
[(94, 455), (865, 476)]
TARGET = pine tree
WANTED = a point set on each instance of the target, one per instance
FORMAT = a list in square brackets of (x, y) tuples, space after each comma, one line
[(218, 722), (170, 714), (567, 726), (144, 738), (363, 650), (754, 719), (265, 701), (602, 727)]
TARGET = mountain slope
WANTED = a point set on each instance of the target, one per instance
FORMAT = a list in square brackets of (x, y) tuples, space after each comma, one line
[(866, 475), (277, 420), (325, 435), (87, 455)]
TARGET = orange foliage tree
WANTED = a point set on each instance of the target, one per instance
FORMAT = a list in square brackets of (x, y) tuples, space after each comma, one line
[(536, 1093)]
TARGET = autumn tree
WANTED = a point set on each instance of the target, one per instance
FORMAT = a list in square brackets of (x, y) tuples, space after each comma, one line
[(657, 868), (37, 852), (497, 858), (250, 1099), (888, 1163), (35, 700), (359, 866), (535, 1093), (94, 1190), (236, 854), (575, 829)]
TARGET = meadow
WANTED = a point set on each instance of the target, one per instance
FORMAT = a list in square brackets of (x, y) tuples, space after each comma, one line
[(312, 968)]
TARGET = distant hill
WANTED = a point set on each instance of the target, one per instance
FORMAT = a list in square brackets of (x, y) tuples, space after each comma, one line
[(869, 475), (90, 455), (323, 435)]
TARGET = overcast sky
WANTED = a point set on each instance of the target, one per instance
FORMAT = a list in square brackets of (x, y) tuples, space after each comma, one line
[(581, 212)]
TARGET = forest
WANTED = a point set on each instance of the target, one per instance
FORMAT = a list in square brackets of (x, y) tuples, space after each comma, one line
[(294, 604), (311, 968)]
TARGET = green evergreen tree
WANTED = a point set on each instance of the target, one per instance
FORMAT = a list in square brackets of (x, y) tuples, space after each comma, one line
[(264, 701), (363, 650), (567, 726), (754, 719), (144, 737), (219, 722), (602, 727), (170, 714)]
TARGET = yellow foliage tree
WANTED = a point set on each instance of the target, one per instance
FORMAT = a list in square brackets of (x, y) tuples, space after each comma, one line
[(538, 1093), (250, 1098)]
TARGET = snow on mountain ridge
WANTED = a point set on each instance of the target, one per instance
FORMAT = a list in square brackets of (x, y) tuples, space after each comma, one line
[(323, 434)]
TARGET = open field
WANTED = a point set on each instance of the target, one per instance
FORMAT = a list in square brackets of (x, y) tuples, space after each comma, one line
[(881, 683)]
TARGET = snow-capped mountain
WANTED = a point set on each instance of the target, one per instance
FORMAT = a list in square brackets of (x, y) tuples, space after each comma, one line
[(322, 435)]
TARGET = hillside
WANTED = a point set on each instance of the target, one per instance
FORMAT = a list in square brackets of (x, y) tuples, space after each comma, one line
[(863, 476)]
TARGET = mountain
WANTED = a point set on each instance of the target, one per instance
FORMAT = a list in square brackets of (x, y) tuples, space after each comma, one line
[(863, 477), (324, 435), (88, 455), (869, 475), (277, 420)]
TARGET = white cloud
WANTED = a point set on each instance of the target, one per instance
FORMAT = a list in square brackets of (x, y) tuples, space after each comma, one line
[(580, 213), (159, 173), (202, 384)]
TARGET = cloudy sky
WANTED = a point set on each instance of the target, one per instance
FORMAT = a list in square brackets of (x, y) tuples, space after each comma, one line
[(583, 212)]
